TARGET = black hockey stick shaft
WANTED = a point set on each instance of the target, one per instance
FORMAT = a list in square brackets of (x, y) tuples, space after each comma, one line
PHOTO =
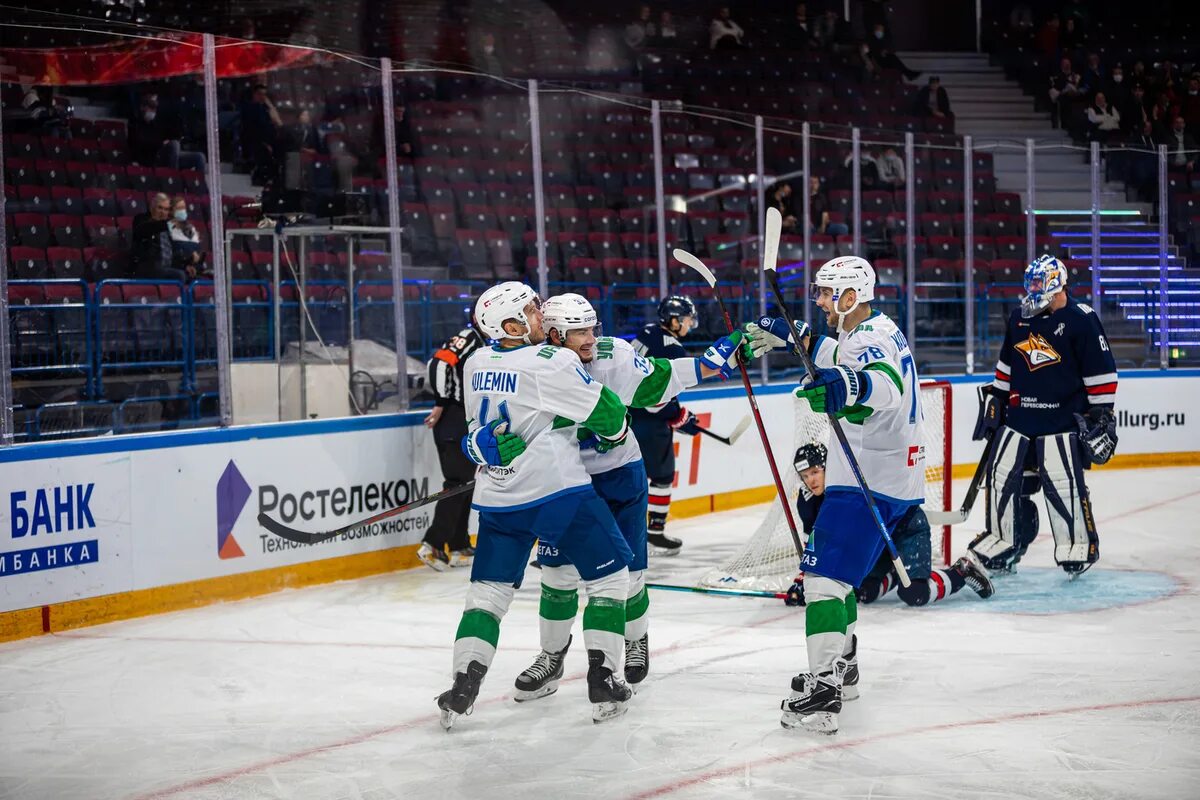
[(307, 537), (707, 432)]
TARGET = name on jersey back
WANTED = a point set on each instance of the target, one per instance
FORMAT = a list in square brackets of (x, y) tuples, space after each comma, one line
[(495, 381)]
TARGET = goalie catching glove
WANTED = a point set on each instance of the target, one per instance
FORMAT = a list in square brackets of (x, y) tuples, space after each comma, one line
[(492, 445), (722, 354), (773, 333), (1097, 434), (835, 389)]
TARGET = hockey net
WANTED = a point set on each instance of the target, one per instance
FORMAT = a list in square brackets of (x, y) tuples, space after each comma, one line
[(768, 561)]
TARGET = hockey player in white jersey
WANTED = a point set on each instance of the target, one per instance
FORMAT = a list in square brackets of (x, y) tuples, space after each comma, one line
[(868, 378), (619, 477), (523, 402)]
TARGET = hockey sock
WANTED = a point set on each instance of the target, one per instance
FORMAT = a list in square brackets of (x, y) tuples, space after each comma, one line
[(826, 617), (604, 617), (940, 584), (559, 602), (479, 628), (851, 619), (874, 588), (637, 621), (660, 504)]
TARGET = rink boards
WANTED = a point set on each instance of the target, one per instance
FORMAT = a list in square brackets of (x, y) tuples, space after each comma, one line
[(115, 527)]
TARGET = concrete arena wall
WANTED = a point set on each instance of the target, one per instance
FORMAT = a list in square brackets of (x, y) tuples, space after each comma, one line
[(97, 530)]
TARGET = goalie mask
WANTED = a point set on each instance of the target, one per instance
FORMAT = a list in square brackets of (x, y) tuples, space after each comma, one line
[(1044, 278), (503, 302), (569, 312), (841, 274)]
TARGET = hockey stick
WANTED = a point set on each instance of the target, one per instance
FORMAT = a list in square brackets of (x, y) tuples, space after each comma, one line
[(689, 260), (955, 517), (770, 256), (737, 431), (305, 537), (725, 592)]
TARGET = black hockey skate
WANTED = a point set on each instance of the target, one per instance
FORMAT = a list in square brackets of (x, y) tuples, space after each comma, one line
[(815, 702), (542, 676), (657, 538), (975, 576), (460, 698), (609, 697), (850, 671), (637, 660)]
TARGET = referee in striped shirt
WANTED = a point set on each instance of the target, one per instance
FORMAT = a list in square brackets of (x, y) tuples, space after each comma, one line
[(448, 419)]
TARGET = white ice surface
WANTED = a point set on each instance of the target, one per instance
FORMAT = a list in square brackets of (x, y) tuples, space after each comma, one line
[(328, 692)]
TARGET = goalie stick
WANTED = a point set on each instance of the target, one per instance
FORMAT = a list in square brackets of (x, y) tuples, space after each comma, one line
[(770, 256), (689, 260), (737, 431), (960, 515), (306, 537)]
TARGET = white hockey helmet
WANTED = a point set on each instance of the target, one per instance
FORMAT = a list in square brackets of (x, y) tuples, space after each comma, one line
[(846, 272), (568, 312), (503, 302)]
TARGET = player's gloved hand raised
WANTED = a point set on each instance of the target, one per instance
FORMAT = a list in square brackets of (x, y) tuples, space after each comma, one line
[(832, 390), (722, 354), (1097, 434), (772, 333), (992, 407), (492, 445), (795, 592), (686, 422)]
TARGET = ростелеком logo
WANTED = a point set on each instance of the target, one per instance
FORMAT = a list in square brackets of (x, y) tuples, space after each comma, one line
[(232, 494)]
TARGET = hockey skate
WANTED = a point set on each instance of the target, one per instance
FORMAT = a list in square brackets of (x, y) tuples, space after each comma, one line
[(542, 676), (975, 576), (432, 557), (850, 671), (656, 537), (462, 558), (815, 702), (460, 698), (637, 660), (609, 697)]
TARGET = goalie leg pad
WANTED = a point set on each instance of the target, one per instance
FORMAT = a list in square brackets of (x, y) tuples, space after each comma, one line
[(479, 628), (826, 619), (997, 547), (559, 604), (1076, 543)]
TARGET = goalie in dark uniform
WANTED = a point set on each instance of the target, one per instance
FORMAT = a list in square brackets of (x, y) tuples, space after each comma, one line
[(1049, 416)]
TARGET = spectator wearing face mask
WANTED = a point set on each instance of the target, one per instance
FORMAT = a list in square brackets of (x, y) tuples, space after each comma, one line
[(187, 254), (880, 45), (154, 140)]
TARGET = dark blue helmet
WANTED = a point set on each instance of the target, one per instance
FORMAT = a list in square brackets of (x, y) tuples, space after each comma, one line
[(810, 455), (674, 307)]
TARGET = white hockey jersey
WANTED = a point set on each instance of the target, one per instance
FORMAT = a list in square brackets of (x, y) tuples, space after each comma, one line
[(543, 392), (885, 428), (640, 382)]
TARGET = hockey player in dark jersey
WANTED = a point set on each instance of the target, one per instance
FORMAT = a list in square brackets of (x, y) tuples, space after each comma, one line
[(913, 542), (654, 427), (1049, 414)]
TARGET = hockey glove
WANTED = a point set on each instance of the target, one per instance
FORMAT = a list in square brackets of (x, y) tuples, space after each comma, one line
[(992, 407), (686, 422), (834, 389), (1097, 434), (771, 333), (607, 443), (722, 354), (795, 592), (492, 445)]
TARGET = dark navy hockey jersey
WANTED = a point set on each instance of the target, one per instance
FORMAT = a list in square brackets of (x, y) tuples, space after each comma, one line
[(654, 342), (1053, 366)]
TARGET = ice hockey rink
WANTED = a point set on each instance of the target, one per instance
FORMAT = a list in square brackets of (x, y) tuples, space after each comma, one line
[(1048, 690)]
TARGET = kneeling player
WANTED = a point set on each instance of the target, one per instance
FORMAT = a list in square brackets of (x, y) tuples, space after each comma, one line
[(912, 539), (619, 477), (1049, 413)]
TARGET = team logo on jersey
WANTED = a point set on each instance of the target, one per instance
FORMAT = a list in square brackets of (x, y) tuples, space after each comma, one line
[(1038, 352)]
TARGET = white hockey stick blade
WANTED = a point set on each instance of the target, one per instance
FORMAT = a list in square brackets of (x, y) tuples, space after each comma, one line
[(771, 244), (946, 517), (689, 260), (739, 429)]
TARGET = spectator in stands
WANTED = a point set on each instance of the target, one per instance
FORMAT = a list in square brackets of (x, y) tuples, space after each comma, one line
[(186, 250), (779, 196), (302, 136), (1166, 81), (818, 209), (40, 113), (486, 56), (152, 143), (405, 144), (1181, 146), (261, 127), (932, 100), (1162, 114), (1064, 89), (1139, 76), (1047, 38), (1020, 21), (724, 33), (668, 31), (1189, 104), (891, 169), (885, 56), (802, 32), (1069, 37), (825, 34), (642, 31), (153, 253), (1092, 79), (1134, 115), (1139, 165), (1104, 121)]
